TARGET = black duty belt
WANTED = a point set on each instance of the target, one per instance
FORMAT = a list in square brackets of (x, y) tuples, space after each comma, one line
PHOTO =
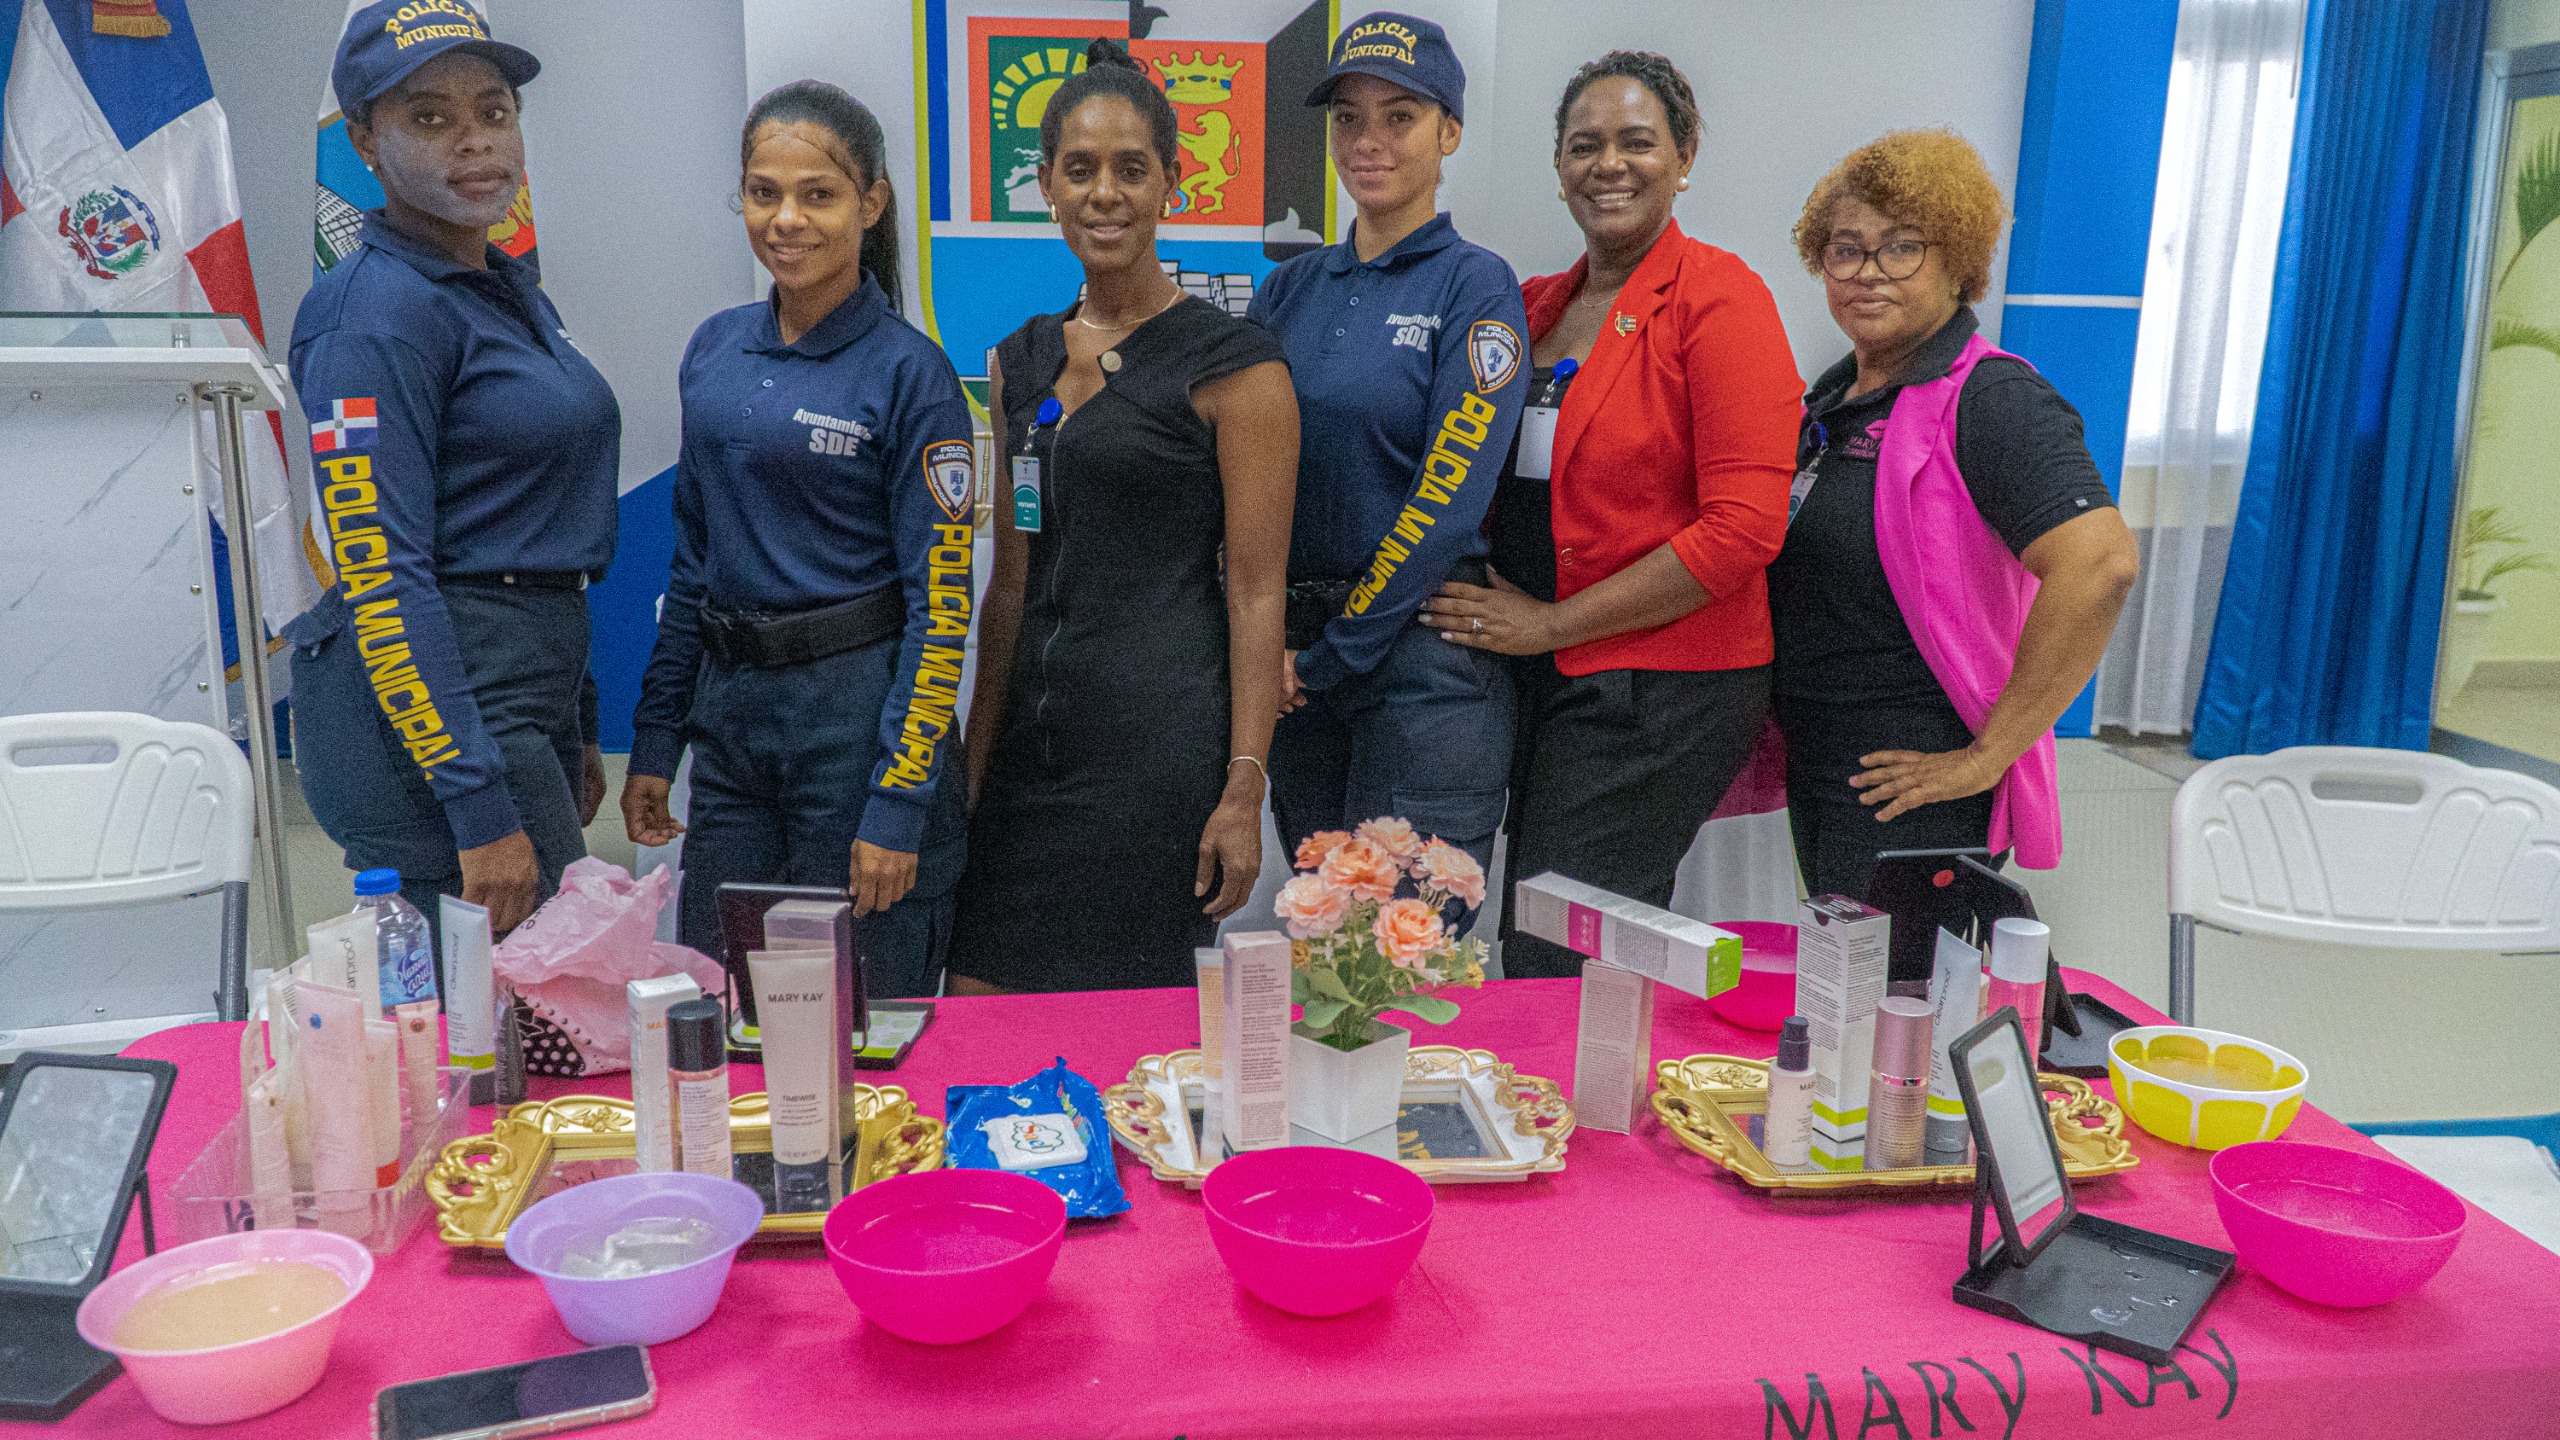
[(523, 579), (771, 640), (1314, 603)]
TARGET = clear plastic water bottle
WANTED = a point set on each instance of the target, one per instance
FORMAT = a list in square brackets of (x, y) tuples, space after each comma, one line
[(407, 949)]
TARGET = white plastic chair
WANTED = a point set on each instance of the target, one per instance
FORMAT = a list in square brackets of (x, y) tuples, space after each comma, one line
[(164, 814), (2348, 846)]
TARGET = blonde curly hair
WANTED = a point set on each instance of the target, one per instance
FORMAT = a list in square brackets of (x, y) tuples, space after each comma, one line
[(1931, 179)]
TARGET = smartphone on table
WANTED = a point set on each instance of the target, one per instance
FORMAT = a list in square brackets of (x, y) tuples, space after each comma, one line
[(537, 1397)]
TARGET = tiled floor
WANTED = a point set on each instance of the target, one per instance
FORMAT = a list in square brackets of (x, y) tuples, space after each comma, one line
[(2387, 1035)]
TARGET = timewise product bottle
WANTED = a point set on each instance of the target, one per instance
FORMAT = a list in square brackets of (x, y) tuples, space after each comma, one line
[(1786, 1129), (698, 1065), (2018, 949), (1898, 1086)]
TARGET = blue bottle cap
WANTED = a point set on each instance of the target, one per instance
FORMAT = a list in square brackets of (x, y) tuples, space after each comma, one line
[(378, 882), (1566, 366), (1050, 410)]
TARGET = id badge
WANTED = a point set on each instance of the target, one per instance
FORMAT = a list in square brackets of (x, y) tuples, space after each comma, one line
[(1026, 493), (1537, 442), (1796, 492)]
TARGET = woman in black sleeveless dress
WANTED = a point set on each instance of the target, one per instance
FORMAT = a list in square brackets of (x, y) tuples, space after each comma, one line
[(1129, 647)]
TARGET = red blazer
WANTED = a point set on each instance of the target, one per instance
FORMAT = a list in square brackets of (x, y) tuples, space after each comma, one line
[(1680, 428)]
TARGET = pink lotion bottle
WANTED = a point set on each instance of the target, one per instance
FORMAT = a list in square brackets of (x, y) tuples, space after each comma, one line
[(2018, 949)]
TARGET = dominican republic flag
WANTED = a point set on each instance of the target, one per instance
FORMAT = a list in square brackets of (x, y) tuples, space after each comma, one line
[(116, 193), (350, 426), (347, 189)]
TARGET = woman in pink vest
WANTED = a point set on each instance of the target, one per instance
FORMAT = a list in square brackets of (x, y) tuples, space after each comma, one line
[(1953, 563)]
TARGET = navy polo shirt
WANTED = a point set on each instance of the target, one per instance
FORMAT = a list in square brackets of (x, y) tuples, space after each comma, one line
[(1410, 369), (455, 432), (816, 472)]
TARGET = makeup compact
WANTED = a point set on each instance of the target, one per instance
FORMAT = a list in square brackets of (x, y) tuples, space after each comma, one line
[(75, 1134), (2052, 1265)]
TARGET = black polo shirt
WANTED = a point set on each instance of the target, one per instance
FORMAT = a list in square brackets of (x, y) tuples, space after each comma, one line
[(1841, 639)]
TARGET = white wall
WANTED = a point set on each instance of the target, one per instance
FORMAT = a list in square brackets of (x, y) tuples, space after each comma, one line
[(2517, 23), (1785, 90), (631, 136)]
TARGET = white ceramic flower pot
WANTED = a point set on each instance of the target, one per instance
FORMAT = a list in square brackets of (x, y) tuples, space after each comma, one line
[(2464, 630), (1345, 1094)]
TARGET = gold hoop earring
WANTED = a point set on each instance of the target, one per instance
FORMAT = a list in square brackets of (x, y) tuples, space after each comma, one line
[(1053, 214)]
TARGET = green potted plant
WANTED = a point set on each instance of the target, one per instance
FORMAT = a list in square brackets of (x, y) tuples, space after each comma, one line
[(2487, 549)]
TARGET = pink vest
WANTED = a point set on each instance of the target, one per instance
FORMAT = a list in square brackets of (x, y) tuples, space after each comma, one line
[(1963, 594)]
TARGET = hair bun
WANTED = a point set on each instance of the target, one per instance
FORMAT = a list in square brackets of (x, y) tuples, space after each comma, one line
[(1106, 51)]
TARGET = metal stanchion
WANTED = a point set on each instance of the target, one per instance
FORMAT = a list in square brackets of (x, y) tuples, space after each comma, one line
[(249, 631)]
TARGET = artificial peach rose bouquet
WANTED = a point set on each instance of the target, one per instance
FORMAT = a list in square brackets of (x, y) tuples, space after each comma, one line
[(1362, 947)]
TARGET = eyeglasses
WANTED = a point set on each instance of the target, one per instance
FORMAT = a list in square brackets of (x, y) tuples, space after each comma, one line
[(1898, 259)]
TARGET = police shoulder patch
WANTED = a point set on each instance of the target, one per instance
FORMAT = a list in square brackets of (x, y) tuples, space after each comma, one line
[(1493, 352), (951, 472)]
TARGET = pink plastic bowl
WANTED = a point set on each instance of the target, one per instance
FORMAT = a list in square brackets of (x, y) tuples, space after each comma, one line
[(946, 1256), (227, 1382), (637, 1309), (2339, 1227), (1316, 1230), (1767, 994)]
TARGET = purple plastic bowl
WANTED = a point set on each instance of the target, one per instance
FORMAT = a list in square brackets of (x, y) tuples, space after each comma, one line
[(1767, 994), (644, 1309), (2335, 1226), (1316, 1230), (945, 1256)]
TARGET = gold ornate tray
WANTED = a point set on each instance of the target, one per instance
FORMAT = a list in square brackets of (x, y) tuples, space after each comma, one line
[(1707, 1101), (481, 1183), (1466, 1117)]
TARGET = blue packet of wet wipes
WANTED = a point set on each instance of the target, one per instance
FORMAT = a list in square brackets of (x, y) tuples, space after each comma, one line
[(1048, 1127)]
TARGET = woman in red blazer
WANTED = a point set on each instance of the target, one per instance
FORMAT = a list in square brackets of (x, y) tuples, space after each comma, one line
[(1629, 549)]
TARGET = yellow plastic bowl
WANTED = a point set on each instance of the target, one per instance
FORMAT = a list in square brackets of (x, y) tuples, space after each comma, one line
[(2164, 1078)]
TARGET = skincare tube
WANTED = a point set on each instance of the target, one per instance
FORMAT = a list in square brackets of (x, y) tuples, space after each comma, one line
[(1955, 1004), (653, 1121), (284, 1035), (253, 1053), (698, 1064), (1209, 965), (270, 1159), (796, 1015), (346, 952), (2018, 949), (470, 997), (1898, 1086), (382, 1088), (418, 1084), (340, 1102), (1786, 1128)]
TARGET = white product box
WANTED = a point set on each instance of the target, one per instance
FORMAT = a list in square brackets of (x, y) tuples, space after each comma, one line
[(1612, 1048), (1843, 950), (1254, 1016), (1682, 953)]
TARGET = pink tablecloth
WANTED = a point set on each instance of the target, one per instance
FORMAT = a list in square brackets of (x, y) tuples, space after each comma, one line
[(1637, 1293)]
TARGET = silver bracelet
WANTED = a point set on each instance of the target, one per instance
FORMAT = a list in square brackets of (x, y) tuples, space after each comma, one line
[(1256, 764)]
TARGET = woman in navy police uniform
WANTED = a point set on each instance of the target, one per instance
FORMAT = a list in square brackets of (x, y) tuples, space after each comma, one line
[(809, 650), (466, 457)]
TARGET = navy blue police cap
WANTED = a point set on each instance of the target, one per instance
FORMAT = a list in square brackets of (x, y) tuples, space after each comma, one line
[(1401, 50), (388, 40)]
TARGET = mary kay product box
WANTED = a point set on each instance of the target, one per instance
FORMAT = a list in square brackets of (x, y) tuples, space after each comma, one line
[(653, 1121), (1682, 953), (1612, 1048), (1843, 949), (798, 924), (1254, 1019)]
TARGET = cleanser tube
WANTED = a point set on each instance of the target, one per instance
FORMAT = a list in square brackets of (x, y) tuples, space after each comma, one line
[(382, 1087), (340, 1103), (1955, 1002), (470, 997), (796, 1016), (346, 953), (419, 1087)]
